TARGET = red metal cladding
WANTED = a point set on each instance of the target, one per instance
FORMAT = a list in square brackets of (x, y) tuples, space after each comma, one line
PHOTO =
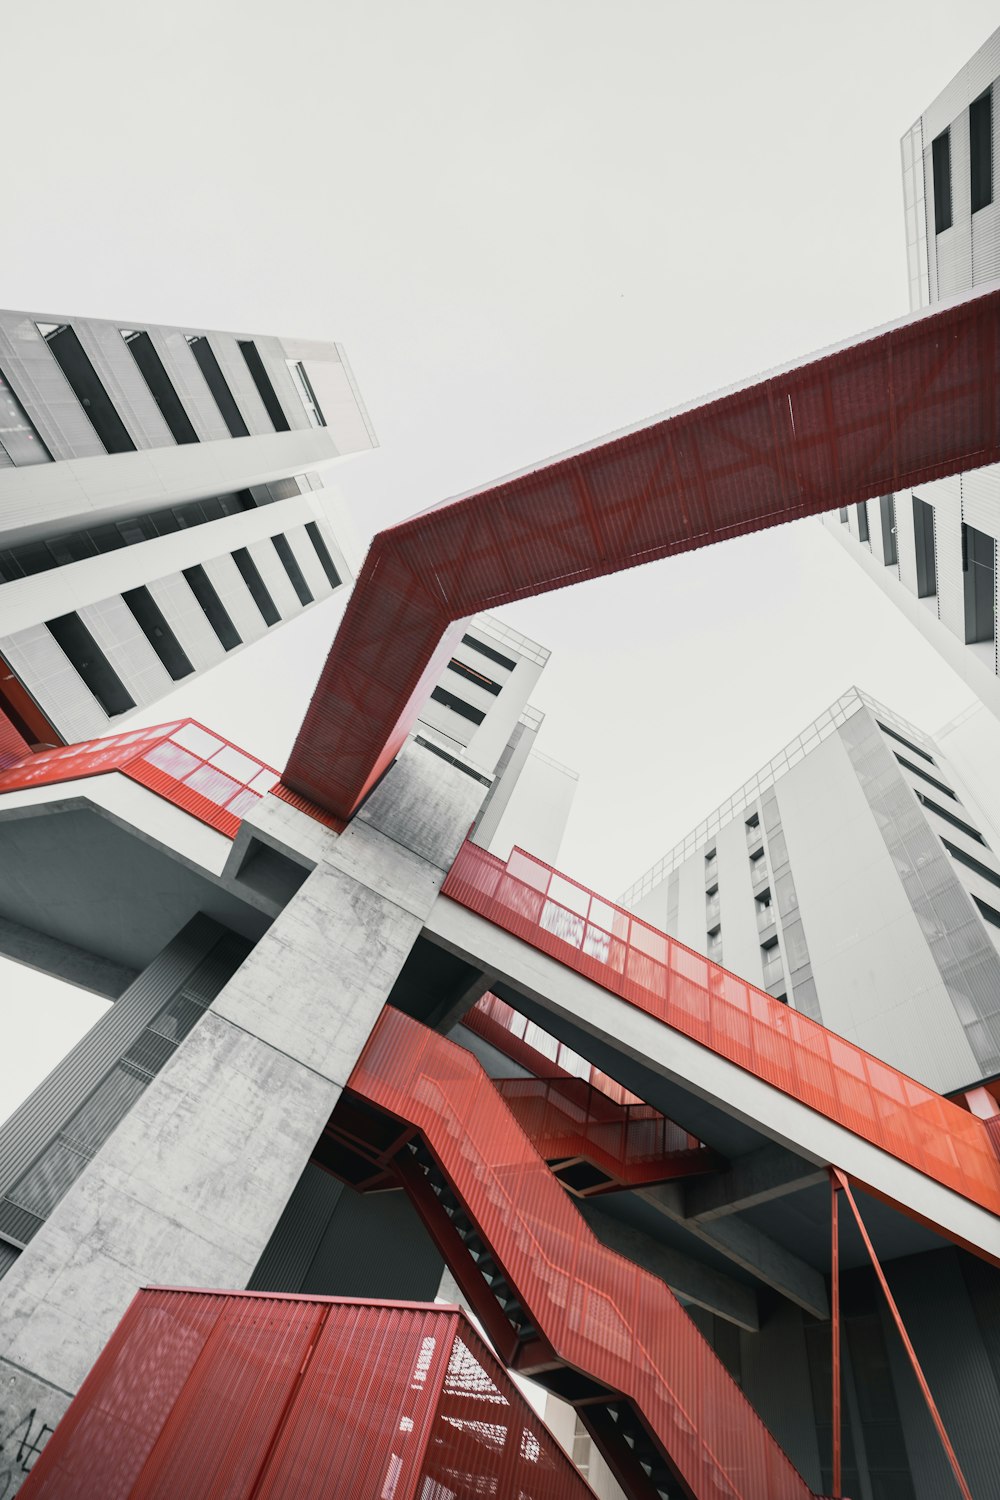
[(652, 971), (246, 1396), (183, 762), (900, 406), (13, 745), (602, 1315), (568, 1120)]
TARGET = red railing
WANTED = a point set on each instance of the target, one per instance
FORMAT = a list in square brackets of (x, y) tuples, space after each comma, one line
[(184, 762), (538, 1050), (601, 1314), (658, 975)]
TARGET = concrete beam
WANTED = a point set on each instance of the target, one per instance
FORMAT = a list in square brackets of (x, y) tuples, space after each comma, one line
[(453, 1007), (769, 1173), (687, 1277), (50, 955), (747, 1247)]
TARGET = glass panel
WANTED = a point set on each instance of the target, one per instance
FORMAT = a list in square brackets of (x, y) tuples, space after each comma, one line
[(198, 740), (235, 763), (213, 784), (172, 759)]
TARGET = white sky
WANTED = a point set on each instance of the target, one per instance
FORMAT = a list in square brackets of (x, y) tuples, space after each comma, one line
[(529, 223)]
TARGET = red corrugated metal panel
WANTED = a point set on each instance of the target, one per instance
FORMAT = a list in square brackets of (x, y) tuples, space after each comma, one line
[(13, 746), (243, 1396), (898, 407), (601, 1314), (652, 971)]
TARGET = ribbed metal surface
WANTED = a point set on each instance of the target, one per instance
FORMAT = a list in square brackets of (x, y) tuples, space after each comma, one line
[(290, 1250), (601, 1315), (13, 746), (251, 1397), (889, 411), (660, 976)]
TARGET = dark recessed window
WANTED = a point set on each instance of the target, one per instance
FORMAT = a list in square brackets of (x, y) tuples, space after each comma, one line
[(161, 388), (290, 563), (458, 705), (306, 393), (941, 161), (990, 913), (250, 574), (981, 150), (470, 675), (924, 548), (887, 510), (217, 384), (862, 511), (153, 623), (843, 515), (215, 611), (979, 561), (86, 656), (72, 359), (942, 812), (895, 735), (971, 863), (323, 553), (931, 779), (18, 438), (265, 389), (501, 661)]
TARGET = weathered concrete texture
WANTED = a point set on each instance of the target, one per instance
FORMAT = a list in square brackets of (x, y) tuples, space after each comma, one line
[(89, 971), (189, 1188), (29, 1411)]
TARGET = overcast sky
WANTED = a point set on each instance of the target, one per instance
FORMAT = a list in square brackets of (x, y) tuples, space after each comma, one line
[(529, 224)]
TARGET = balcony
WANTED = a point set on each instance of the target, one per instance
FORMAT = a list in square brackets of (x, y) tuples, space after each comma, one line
[(759, 875), (773, 970)]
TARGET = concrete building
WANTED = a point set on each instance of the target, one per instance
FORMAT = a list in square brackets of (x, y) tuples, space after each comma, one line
[(933, 550), (163, 503), (852, 879)]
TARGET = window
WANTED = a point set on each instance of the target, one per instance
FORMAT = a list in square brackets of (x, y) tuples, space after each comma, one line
[(141, 348), (459, 705), (216, 382), (501, 661), (250, 574), (989, 913), (18, 438), (981, 150), (290, 563), (979, 556), (306, 393), (932, 779), (323, 553), (153, 624), (895, 735), (75, 640), (971, 863), (941, 161), (212, 607), (926, 551), (72, 359), (862, 511), (843, 515), (887, 509), (265, 389), (714, 945), (470, 675), (956, 822)]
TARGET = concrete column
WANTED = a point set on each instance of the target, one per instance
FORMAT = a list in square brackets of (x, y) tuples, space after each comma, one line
[(191, 1185)]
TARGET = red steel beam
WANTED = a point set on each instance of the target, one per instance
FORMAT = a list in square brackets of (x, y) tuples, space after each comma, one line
[(909, 403)]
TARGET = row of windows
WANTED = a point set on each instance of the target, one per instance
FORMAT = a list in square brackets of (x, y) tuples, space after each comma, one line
[(23, 445), (980, 162), (79, 646)]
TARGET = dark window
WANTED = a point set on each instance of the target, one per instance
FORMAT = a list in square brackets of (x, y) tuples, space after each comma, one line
[(981, 150), (458, 704), (472, 676), (160, 386), (501, 661), (989, 912), (265, 389), (932, 779), (979, 555), (942, 812), (941, 158), (290, 563), (323, 553), (216, 381), (843, 514), (18, 438), (887, 509), (971, 863), (215, 612), (306, 393), (895, 735), (251, 577), (926, 552), (862, 511), (87, 388), (85, 655), (153, 624)]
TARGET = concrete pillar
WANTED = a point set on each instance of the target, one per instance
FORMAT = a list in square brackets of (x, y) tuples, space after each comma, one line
[(191, 1185)]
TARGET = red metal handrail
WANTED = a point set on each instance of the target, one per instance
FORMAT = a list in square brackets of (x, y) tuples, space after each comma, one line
[(679, 987)]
